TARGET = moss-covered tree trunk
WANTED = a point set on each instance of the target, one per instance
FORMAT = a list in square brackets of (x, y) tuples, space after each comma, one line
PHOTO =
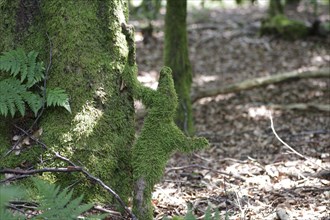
[(176, 57), (275, 8), (88, 56)]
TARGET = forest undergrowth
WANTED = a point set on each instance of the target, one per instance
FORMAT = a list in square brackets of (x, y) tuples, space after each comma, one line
[(247, 173)]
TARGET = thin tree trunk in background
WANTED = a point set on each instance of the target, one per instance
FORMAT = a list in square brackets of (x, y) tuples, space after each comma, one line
[(275, 8), (176, 57), (89, 53)]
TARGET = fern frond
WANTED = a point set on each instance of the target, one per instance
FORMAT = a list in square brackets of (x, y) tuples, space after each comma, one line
[(58, 97), (12, 61), (9, 193), (58, 205), (35, 69), (208, 215), (14, 95), (25, 66)]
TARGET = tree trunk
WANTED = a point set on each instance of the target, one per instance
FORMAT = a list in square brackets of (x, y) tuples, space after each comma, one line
[(176, 57), (275, 8), (88, 55)]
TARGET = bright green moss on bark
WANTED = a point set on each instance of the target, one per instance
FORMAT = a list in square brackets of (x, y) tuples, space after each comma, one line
[(89, 54), (160, 137), (176, 57)]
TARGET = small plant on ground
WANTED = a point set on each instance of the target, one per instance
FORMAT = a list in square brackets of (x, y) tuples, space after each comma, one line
[(53, 203), (207, 216)]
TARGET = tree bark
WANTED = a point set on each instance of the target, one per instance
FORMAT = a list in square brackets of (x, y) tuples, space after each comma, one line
[(262, 81), (176, 57), (275, 8), (88, 56)]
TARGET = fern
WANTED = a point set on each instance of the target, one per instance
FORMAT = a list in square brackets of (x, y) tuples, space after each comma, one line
[(58, 97), (25, 72), (19, 64), (13, 97), (8, 194), (190, 216), (54, 204)]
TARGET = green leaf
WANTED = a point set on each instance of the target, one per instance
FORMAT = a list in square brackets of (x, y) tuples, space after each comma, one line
[(9, 193), (23, 66), (58, 97), (56, 204), (14, 96)]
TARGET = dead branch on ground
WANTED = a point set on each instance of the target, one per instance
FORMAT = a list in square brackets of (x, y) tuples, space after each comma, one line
[(302, 106), (261, 81)]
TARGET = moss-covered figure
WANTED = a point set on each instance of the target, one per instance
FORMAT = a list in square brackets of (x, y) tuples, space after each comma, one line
[(159, 138)]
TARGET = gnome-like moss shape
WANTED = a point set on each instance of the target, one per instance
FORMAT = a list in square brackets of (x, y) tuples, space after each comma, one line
[(160, 137)]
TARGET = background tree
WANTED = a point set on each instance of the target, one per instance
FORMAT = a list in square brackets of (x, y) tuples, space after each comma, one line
[(88, 55), (176, 57), (275, 8), (149, 10)]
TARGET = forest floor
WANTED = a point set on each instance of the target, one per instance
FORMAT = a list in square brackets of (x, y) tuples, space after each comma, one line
[(247, 173)]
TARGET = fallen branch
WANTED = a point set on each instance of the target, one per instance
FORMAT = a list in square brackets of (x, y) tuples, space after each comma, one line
[(261, 81), (302, 106)]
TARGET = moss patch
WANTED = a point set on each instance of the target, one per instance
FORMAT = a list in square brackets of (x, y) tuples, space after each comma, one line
[(282, 26)]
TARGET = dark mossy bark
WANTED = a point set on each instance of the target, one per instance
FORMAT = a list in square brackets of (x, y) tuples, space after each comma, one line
[(176, 57), (275, 8), (89, 54)]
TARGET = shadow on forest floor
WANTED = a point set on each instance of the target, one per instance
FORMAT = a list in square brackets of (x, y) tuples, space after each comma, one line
[(265, 176)]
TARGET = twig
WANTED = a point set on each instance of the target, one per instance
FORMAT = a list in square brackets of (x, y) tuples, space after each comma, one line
[(24, 204), (15, 208), (286, 145), (13, 178), (206, 168), (31, 136), (100, 208), (43, 170)]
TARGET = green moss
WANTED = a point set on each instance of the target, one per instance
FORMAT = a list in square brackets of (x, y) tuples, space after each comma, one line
[(89, 54), (160, 136), (282, 26)]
